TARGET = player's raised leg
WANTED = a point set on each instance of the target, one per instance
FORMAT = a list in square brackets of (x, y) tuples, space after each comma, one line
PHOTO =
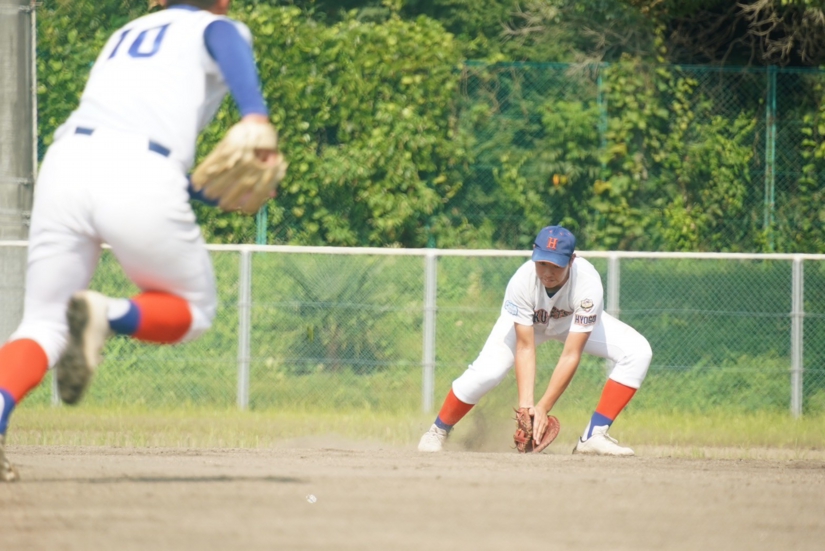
[(483, 375), (631, 353), (170, 263), (155, 317), (152, 230)]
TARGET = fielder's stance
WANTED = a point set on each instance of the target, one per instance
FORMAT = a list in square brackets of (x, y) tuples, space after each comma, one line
[(116, 173), (553, 296)]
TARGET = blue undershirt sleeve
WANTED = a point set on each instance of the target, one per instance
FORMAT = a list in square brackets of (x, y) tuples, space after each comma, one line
[(199, 195), (237, 64)]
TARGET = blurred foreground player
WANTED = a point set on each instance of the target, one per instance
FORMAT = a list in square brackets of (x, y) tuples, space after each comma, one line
[(116, 174)]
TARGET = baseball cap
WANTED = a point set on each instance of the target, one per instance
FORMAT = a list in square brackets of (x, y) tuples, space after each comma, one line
[(554, 244)]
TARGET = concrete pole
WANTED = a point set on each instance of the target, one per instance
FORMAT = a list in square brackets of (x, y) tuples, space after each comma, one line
[(430, 309), (797, 335), (18, 155), (244, 326)]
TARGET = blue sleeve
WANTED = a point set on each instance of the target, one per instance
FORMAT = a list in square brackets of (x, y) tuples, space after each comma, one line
[(199, 196), (237, 64)]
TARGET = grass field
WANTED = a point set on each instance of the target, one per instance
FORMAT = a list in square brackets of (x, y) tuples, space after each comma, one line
[(484, 429)]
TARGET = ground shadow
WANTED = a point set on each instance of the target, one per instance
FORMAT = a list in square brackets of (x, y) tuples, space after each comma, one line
[(170, 479)]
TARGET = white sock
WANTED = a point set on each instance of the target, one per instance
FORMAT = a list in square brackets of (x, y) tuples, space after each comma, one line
[(117, 308)]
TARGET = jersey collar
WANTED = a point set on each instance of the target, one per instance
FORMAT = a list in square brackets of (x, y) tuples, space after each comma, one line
[(186, 7)]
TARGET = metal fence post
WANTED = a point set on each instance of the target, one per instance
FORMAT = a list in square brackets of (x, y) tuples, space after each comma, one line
[(613, 283), (797, 316), (428, 362), (244, 323), (601, 101), (770, 157), (260, 226)]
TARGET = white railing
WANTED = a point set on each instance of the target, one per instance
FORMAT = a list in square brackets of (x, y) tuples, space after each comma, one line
[(612, 266)]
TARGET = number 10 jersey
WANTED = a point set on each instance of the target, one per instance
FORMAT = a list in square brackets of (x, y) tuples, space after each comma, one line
[(155, 78)]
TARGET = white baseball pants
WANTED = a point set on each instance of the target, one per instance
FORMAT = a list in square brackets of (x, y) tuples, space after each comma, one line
[(109, 187), (610, 338)]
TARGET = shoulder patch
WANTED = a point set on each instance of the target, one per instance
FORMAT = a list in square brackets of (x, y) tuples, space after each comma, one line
[(511, 308), (587, 305)]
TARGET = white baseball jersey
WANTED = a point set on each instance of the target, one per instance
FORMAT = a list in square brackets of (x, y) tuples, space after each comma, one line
[(576, 307), (156, 79)]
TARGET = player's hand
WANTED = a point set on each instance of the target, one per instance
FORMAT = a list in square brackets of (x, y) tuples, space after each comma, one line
[(539, 422)]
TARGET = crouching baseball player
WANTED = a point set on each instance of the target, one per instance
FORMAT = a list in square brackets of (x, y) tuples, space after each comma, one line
[(553, 296), (116, 173)]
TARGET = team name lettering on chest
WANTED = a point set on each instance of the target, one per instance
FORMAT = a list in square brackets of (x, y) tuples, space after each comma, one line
[(543, 316)]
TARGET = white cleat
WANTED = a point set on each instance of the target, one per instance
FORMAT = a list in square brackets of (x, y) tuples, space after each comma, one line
[(88, 331), (600, 443), (7, 471), (432, 440)]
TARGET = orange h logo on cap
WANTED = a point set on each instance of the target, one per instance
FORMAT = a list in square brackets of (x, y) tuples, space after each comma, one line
[(552, 242)]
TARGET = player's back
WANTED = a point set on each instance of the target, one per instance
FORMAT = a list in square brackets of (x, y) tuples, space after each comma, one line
[(155, 78)]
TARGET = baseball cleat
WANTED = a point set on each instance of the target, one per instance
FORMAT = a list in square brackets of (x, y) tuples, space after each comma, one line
[(432, 440), (7, 471), (600, 443), (88, 330)]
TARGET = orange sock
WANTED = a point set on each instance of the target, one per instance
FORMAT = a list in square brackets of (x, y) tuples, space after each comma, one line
[(23, 364), (164, 318), (452, 411), (615, 397)]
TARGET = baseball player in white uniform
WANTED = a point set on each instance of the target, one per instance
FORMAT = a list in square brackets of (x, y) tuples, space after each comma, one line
[(554, 296), (117, 174)]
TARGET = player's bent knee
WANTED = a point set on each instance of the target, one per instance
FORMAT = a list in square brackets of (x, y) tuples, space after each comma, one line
[(472, 385), (637, 363), (202, 319), (631, 369), (644, 355)]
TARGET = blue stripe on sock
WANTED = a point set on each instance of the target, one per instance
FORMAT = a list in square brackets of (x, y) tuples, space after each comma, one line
[(8, 406), (128, 323), (442, 425), (598, 420)]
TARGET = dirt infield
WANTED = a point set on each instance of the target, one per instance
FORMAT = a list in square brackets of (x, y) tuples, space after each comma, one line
[(369, 497)]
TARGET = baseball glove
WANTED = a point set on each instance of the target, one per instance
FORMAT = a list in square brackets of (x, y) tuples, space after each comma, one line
[(523, 437), (244, 169)]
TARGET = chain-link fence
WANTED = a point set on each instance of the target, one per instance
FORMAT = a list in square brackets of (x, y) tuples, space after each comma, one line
[(389, 330), (684, 158), (645, 157), (631, 156)]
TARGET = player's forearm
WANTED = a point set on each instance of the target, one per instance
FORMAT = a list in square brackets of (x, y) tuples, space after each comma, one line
[(525, 374), (562, 375)]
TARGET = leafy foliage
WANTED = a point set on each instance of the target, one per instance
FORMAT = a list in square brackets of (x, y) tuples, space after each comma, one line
[(395, 139), (669, 149), (367, 118)]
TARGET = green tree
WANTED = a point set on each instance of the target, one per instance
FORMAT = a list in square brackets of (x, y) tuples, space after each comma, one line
[(366, 113)]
